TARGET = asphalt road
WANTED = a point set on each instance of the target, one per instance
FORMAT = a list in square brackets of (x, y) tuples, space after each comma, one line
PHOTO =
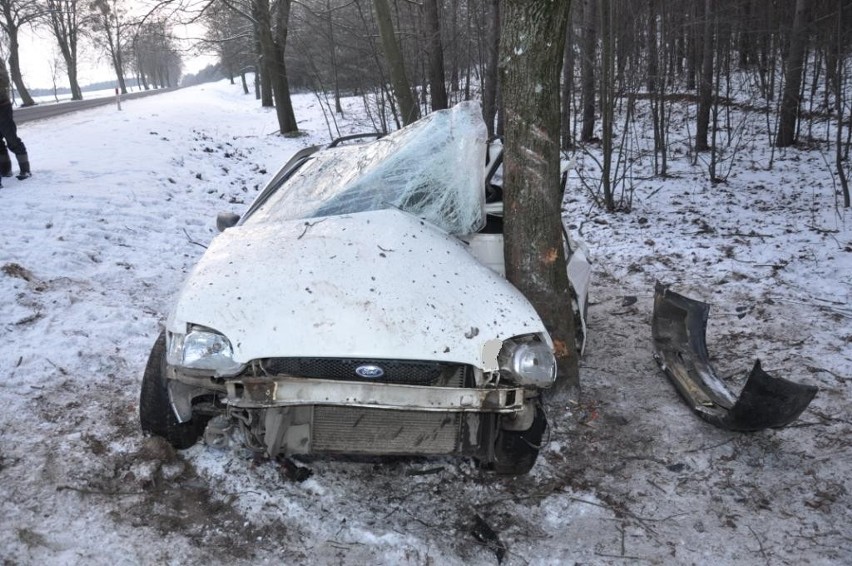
[(43, 111)]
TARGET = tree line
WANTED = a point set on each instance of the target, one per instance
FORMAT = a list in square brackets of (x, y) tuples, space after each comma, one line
[(141, 46), (785, 61)]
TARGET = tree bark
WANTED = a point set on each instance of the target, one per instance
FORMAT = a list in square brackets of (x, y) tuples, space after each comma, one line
[(587, 69), (281, 84), (533, 37), (15, 66), (65, 26), (436, 55), (705, 88), (401, 87), (567, 86), (272, 59), (789, 111), (492, 46)]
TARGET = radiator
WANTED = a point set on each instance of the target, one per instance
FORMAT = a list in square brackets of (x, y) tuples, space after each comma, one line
[(354, 430)]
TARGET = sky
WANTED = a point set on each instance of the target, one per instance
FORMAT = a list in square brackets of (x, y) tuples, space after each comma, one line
[(120, 207), (38, 50)]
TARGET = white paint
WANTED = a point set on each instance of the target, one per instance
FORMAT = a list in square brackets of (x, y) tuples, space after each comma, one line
[(379, 284)]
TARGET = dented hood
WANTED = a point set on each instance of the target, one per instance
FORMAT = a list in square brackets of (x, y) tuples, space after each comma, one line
[(379, 284)]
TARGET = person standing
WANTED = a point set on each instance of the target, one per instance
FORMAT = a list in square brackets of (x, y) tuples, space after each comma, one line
[(9, 132)]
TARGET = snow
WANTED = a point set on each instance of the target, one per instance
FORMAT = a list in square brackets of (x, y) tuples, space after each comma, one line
[(95, 245)]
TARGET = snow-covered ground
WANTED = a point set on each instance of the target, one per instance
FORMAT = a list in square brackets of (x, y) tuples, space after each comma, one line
[(94, 246)]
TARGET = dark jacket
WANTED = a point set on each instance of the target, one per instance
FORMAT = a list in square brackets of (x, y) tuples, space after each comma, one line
[(4, 85)]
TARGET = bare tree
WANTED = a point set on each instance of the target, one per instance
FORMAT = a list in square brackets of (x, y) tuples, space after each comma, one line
[(16, 14), (789, 112), (66, 19), (533, 36), (436, 55), (399, 78), (587, 67), (838, 75), (705, 88), (156, 57), (109, 27), (271, 24), (492, 46), (232, 37)]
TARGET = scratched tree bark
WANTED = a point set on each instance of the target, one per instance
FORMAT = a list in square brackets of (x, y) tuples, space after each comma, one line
[(532, 42)]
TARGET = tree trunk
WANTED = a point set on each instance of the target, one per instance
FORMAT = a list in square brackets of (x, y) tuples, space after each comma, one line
[(281, 83), (492, 46), (587, 68), (533, 36), (839, 105), (567, 86), (789, 111), (436, 55), (15, 67), (705, 89), (262, 72), (607, 89), (76, 92), (333, 51), (401, 87)]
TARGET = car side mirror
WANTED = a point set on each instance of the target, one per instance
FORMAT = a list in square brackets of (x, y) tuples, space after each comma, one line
[(225, 220)]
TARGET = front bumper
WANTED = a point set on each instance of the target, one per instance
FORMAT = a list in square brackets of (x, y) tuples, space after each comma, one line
[(286, 391), (263, 392)]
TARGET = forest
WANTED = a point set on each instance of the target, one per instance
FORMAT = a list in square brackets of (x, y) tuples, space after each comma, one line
[(784, 62), (779, 66)]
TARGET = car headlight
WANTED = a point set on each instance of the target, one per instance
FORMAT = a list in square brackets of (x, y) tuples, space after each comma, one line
[(203, 349), (528, 361)]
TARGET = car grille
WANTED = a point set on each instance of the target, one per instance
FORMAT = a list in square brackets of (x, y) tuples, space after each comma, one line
[(405, 372), (354, 430)]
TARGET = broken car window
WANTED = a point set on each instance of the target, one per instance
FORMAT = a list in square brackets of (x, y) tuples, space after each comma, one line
[(432, 169)]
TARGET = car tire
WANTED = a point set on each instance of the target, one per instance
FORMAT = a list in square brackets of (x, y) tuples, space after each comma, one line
[(155, 411), (515, 452)]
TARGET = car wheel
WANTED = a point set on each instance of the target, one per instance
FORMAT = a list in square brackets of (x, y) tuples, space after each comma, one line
[(155, 411), (515, 452)]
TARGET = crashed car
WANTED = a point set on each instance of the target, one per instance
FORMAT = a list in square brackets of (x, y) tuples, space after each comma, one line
[(358, 307)]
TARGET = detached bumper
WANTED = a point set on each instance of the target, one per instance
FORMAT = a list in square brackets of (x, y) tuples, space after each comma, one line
[(680, 348)]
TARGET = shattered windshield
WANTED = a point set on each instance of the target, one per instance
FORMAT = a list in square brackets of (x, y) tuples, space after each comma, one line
[(433, 169)]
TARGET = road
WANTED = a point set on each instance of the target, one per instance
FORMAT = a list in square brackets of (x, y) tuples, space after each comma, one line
[(44, 111)]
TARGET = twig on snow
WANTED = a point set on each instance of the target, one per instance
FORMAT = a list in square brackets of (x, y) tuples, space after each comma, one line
[(191, 241), (760, 544)]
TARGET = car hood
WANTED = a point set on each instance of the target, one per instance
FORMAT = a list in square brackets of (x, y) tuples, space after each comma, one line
[(379, 284)]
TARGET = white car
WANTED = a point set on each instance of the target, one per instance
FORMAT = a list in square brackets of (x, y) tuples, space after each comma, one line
[(359, 307)]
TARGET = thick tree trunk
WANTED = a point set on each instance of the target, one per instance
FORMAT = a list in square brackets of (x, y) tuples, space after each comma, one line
[(15, 67), (272, 58), (587, 68), (262, 72), (399, 79), (567, 87), (76, 92), (705, 89), (533, 36), (607, 94), (436, 55), (281, 85), (492, 46), (118, 66), (789, 112)]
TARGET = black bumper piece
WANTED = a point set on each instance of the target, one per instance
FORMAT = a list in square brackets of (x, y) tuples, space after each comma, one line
[(680, 348)]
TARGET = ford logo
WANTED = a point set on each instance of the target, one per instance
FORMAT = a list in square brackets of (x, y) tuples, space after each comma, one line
[(370, 372)]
